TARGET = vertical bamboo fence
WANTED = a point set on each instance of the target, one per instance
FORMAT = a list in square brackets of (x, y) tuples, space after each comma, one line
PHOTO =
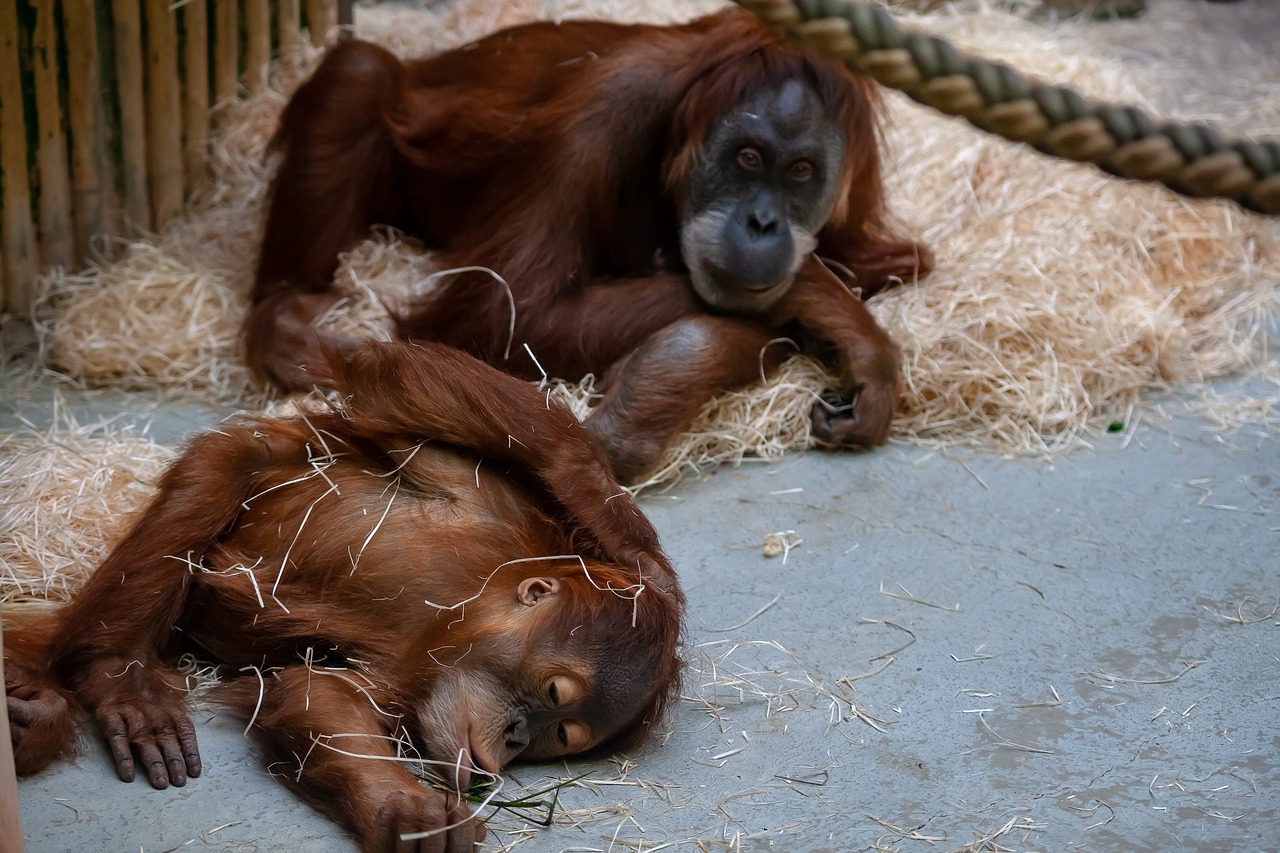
[(104, 113)]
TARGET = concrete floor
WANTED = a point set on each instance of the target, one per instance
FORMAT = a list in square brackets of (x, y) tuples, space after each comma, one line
[(1083, 656)]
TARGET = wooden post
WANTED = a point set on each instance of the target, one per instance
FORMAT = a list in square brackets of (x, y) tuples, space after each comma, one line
[(10, 815), (226, 51), (18, 239), (257, 21), (288, 12), (164, 115), (57, 244), (90, 170), (127, 18), (195, 103), (322, 19)]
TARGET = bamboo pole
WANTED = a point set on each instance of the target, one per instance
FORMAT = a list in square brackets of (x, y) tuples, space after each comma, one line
[(164, 111), (57, 245), (226, 39), (90, 169), (195, 103), (288, 12), (17, 240), (133, 116), (322, 19), (257, 20)]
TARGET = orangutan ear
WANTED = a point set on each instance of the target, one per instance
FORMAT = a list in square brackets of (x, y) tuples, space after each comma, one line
[(532, 590)]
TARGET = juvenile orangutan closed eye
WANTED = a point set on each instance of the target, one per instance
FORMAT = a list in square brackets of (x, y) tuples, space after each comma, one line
[(654, 202), (445, 562)]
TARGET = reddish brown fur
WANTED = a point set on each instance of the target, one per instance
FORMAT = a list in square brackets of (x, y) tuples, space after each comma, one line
[(434, 425), (556, 156)]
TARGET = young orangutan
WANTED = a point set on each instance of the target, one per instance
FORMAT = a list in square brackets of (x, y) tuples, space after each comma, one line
[(443, 563)]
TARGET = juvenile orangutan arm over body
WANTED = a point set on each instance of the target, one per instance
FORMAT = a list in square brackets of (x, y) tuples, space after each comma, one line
[(440, 394)]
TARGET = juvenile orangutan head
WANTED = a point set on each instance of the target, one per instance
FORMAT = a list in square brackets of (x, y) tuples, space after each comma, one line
[(579, 658)]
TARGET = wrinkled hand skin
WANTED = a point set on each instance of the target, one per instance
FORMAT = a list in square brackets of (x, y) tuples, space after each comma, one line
[(141, 715), (864, 422), (32, 708), (409, 812), (38, 716), (843, 334)]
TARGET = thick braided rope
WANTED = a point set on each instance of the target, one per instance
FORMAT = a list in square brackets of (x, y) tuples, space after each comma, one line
[(1191, 159)]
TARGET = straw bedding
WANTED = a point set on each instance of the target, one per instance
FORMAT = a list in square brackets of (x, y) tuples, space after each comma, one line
[(1061, 301), (68, 496)]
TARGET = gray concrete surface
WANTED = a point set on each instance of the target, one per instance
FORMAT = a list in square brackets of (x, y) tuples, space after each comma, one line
[(1046, 656)]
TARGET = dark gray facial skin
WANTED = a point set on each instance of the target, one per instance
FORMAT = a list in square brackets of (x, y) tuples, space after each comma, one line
[(764, 187)]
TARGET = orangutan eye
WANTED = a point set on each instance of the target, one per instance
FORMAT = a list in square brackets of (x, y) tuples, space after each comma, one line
[(571, 736), (749, 159), (801, 171), (553, 693)]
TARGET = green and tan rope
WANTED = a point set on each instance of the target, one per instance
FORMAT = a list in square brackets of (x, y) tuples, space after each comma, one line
[(1191, 159)]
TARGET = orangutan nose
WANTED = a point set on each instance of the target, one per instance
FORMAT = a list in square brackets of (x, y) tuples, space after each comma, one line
[(517, 734)]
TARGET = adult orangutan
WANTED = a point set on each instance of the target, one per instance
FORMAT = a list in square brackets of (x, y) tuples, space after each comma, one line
[(648, 204), (444, 564)]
